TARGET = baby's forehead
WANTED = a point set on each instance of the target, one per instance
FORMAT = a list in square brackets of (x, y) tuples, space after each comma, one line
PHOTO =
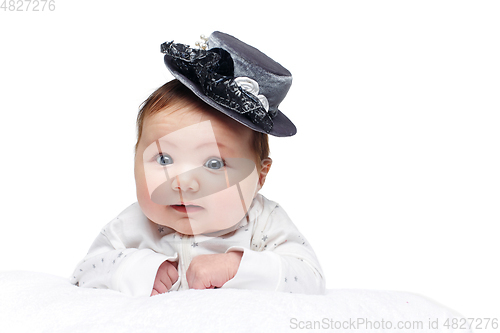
[(198, 138), (202, 122), (178, 116), (201, 132), (190, 126), (173, 114)]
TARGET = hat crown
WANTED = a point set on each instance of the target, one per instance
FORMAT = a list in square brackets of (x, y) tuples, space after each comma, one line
[(246, 53), (274, 80)]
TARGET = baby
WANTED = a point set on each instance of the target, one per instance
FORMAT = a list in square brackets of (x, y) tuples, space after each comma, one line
[(200, 160)]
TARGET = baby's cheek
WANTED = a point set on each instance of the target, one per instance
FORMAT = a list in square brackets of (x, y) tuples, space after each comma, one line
[(152, 210), (248, 187), (231, 204), (226, 208), (147, 206), (154, 177)]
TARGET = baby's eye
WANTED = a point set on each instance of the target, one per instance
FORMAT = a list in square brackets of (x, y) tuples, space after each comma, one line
[(214, 163), (164, 159)]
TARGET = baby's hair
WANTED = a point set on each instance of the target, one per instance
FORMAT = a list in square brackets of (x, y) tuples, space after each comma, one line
[(175, 96)]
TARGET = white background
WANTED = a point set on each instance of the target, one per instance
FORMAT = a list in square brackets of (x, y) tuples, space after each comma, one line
[(393, 175)]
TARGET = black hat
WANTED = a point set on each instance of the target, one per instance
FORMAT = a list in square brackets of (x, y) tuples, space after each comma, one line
[(236, 79)]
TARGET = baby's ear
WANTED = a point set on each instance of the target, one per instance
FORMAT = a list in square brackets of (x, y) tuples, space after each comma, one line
[(265, 165)]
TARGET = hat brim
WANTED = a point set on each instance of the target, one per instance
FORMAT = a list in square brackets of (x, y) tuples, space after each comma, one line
[(282, 126)]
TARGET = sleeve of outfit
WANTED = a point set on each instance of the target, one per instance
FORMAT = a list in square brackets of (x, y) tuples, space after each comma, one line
[(120, 263), (280, 259)]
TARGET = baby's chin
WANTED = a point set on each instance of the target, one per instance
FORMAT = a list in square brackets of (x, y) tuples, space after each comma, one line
[(199, 227), (194, 227)]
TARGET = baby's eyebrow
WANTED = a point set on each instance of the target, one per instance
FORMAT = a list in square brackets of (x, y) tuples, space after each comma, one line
[(220, 145), (157, 141)]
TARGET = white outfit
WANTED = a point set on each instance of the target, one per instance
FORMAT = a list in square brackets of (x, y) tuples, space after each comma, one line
[(129, 250)]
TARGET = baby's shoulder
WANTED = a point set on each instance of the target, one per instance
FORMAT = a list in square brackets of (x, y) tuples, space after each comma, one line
[(266, 205), (131, 218), (131, 214), (269, 211)]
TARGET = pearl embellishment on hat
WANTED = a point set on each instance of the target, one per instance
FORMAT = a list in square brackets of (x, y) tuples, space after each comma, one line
[(203, 43), (252, 87)]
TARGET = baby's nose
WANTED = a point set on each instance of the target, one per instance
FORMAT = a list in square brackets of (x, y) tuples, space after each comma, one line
[(195, 183), (186, 181)]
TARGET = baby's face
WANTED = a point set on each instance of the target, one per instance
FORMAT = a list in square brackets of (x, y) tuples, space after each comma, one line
[(195, 170)]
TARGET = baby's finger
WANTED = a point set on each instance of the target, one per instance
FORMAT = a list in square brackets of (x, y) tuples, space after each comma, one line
[(195, 284), (160, 286), (197, 281), (172, 273), (167, 282), (153, 293)]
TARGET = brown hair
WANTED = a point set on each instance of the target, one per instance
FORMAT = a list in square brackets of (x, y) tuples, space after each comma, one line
[(175, 93)]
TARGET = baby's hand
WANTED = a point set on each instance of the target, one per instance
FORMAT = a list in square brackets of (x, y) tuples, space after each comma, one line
[(165, 277), (208, 271)]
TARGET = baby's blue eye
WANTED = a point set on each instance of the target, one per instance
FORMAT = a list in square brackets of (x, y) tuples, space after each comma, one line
[(164, 159), (214, 163)]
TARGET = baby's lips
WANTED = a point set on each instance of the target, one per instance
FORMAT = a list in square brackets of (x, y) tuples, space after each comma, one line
[(210, 181)]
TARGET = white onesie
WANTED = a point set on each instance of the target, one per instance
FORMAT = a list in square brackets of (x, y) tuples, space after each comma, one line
[(129, 250)]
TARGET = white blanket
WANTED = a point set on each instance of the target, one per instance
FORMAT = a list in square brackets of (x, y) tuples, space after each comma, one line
[(36, 302)]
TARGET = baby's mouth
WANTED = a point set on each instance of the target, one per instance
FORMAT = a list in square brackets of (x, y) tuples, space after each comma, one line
[(187, 208)]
